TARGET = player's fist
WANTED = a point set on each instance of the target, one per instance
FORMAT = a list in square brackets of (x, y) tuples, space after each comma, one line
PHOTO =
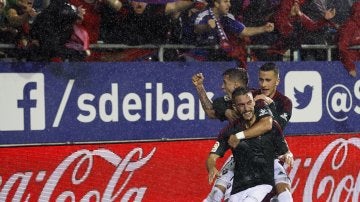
[(198, 79), (233, 141), (263, 97), (288, 158), (212, 23), (269, 27)]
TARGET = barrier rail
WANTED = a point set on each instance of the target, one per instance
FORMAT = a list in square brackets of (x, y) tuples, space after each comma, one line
[(162, 47)]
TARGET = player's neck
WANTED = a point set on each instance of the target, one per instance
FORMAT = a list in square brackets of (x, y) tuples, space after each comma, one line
[(216, 12), (250, 122), (273, 94)]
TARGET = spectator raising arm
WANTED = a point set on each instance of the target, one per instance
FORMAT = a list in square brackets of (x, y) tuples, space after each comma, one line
[(251, 31)]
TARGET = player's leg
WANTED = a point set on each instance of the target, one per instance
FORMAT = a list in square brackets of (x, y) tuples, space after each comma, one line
[(282, 183), (229, 187), (222, 185)]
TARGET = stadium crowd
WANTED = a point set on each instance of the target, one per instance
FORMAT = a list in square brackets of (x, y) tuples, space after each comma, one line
[(58, 30)]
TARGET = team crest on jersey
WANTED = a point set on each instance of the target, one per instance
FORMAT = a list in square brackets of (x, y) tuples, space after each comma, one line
[(263, 112), (215, 147), (284, 116)]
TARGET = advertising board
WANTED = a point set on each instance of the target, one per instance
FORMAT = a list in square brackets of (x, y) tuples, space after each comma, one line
[(326, 169), (97, 102)]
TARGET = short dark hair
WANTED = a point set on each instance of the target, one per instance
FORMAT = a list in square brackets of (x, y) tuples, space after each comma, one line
[(238, 75), (212, 2), (270, 66), (240, 91)]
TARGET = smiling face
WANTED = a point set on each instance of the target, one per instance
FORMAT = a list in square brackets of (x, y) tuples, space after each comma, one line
[(268, 82), (245, 104)]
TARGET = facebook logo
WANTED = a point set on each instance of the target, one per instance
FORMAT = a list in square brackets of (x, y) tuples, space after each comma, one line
[(304, 90), (22, 101)]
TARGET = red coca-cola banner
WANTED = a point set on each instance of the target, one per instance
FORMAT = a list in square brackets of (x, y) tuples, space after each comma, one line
[(326, 169)]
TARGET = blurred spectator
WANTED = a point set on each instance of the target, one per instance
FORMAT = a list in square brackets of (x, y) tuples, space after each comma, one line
[(18, 16), (3, 28), (7, 33), (349, 35), (217, 26), (52, 35), (39, 5), (343, 8), (292, 24), (138, 23), (256, 13), (92, 17)]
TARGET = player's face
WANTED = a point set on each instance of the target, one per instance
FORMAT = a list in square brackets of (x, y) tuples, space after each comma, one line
[(139, 7), (223, 6), (228, 85), (245, 104), (268, 82)]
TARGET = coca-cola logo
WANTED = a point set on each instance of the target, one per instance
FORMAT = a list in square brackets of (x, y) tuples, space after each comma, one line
[(81, 164), (329, 171), (330, 177)]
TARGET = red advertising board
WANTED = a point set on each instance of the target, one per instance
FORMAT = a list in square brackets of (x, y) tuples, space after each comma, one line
[(326, 169)]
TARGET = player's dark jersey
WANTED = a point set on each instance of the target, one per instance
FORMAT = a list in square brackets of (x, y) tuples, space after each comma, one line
[(281, 108), (220, 105), (254, 157), (261, 110)]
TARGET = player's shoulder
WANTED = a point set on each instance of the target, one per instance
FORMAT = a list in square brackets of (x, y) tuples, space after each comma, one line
[(281, 97), (202, 16), (223, 99), (229, 15)]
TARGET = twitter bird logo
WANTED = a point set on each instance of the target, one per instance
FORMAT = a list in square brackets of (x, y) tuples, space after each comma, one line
[(306, 95), (303, 98)]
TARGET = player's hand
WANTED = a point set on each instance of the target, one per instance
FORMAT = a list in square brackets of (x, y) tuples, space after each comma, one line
[(198, 79), (288, 158), (269, 27), (212, 23), (295, 10), (213, 173), (264, 98), (233, 141), (81, 12), (231, 115)]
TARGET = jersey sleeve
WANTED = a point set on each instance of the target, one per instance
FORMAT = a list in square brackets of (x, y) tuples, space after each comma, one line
[(281, 146), (262, 110), (221, 145), (282, 111), (231, 25), (202, 18)]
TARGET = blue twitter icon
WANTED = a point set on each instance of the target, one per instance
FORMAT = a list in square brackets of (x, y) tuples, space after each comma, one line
[(303, 98), (304, 88)]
